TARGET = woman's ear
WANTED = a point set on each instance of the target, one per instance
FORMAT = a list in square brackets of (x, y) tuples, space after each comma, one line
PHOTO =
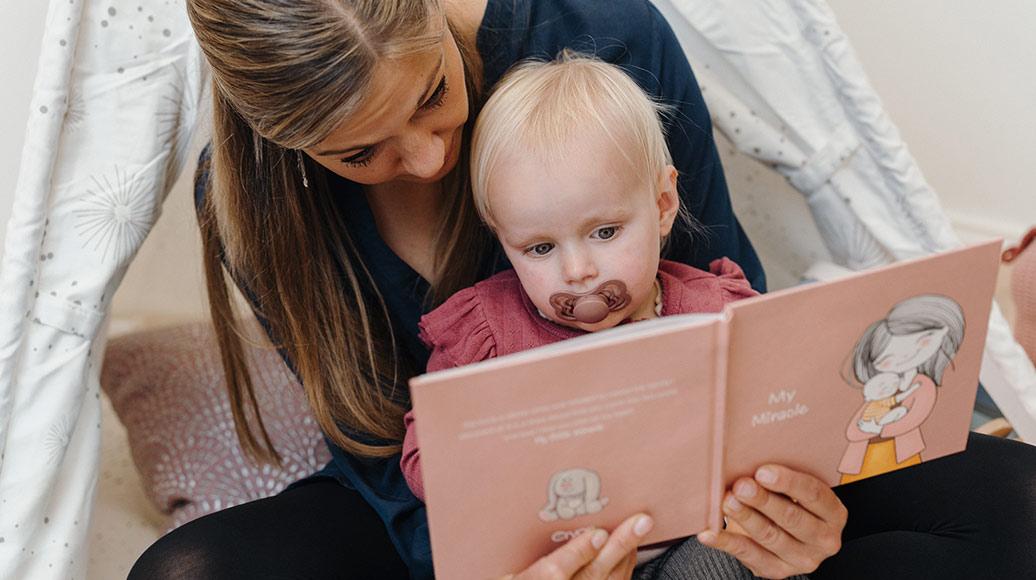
[(668, 200)]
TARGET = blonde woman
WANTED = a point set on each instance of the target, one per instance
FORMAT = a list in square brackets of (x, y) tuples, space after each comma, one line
[(336, 198)]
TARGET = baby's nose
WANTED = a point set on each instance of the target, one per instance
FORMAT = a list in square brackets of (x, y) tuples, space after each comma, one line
[(579, 268)]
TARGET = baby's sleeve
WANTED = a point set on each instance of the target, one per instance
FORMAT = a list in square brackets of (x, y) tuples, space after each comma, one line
[(410, 463), (731, 279), (457, 333)]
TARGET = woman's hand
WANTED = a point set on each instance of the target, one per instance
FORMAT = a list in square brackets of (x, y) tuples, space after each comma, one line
[(593, 555), (781, 523)]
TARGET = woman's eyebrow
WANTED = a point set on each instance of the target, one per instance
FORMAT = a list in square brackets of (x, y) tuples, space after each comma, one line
[(429, 86)]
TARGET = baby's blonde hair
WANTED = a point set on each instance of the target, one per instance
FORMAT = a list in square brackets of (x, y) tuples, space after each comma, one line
[(541, 106)]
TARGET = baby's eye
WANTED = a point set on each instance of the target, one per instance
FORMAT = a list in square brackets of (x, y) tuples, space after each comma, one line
[(606, 233), (541, 249)]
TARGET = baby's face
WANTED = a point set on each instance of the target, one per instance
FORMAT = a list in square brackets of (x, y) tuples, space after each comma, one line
[(881, 386), (577, 222)]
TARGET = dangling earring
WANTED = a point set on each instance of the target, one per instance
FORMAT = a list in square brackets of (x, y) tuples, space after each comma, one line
[(302, 168)]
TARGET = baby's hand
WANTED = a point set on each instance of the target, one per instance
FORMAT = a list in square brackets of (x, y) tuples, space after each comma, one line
[(903, 395), (869, 426), (893, 416)]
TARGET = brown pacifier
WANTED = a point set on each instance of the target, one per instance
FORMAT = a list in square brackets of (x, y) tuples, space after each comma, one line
[(593, 306)]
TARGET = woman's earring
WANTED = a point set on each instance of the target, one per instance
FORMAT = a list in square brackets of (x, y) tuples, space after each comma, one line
[(302, 168)]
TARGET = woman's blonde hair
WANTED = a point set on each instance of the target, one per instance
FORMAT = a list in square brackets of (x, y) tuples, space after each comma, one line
[(285, 74), (539, 107)]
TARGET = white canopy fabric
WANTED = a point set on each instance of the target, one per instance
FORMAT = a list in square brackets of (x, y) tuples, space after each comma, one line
[(118, 94), (115, 100), (783, 84)]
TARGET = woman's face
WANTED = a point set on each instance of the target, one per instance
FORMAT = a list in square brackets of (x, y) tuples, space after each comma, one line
[(908, 351), (409, 127)]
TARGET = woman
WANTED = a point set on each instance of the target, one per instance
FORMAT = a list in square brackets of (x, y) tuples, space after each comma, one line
[(338, 203)]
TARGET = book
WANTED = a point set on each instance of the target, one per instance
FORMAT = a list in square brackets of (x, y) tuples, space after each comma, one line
[(842, 379)]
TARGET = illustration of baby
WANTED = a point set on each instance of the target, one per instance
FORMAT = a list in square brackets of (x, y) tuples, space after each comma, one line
[(899, 361), (573, 492), (883, 401)]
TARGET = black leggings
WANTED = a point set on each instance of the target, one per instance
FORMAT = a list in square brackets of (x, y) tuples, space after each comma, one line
[(971, 515)]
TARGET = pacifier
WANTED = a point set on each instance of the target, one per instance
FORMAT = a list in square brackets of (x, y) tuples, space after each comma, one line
[(593, 306)]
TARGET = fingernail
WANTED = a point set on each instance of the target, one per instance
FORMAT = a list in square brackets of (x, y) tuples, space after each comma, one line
[(766, 475), (643, 526), (745, 489), (733, 505), (599, 538), (707, 537)]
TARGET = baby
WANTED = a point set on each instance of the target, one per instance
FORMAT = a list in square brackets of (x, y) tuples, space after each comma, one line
[(882, 399), (571, 171)]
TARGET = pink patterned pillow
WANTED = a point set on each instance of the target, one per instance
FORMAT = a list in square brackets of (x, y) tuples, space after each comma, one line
[(168, 389)]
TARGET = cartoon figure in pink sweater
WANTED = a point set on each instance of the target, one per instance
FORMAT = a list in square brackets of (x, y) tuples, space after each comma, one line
[(900, 360), (571, 171)]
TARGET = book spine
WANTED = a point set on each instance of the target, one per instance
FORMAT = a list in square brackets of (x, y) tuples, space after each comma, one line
[(719, 425)]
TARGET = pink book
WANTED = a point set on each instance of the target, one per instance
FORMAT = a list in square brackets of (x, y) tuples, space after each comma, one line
[(844, 379)]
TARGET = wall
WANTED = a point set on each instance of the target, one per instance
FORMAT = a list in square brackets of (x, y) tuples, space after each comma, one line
[(21, 32), (957, 79)]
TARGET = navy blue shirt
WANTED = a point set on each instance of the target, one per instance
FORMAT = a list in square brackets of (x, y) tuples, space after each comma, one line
[(629, 33)]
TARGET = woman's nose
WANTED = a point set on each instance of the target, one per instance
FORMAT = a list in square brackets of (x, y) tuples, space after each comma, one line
[(578, 267), (423, 154)]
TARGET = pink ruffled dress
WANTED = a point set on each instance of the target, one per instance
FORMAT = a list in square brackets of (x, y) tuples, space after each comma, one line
[(495, 317)]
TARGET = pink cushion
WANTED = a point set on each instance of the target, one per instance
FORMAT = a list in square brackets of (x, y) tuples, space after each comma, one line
[(168, 389)]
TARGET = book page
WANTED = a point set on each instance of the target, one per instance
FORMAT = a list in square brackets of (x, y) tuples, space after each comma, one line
[(517, 458), (863, 375), (606, 337)]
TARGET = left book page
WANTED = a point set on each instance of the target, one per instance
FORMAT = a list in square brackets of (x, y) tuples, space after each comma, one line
[(522, 452)]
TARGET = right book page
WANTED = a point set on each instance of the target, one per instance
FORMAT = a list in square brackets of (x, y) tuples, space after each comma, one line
[(860, 376)]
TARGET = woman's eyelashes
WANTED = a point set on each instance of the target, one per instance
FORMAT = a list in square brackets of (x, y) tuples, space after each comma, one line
[(438, 96), (364, 157)]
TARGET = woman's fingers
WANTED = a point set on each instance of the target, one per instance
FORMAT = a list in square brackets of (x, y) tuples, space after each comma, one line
[(791, 522), (624, 571), (759, 527), (566, 561), (623, 542), (788, 516), (808, 491), (823, 531), (759, 560)]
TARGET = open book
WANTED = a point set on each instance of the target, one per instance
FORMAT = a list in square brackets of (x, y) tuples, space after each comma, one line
[(843, 379)]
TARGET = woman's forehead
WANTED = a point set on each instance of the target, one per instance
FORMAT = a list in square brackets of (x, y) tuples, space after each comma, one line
[(395, 92)]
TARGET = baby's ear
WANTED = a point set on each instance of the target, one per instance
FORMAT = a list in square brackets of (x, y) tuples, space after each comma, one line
[(668, 199)]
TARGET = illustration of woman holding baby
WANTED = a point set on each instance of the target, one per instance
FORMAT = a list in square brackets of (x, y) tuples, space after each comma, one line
[(899, 361)]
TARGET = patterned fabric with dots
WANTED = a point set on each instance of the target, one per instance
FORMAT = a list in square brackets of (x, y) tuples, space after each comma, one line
[(119, 87), (168, 388)]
